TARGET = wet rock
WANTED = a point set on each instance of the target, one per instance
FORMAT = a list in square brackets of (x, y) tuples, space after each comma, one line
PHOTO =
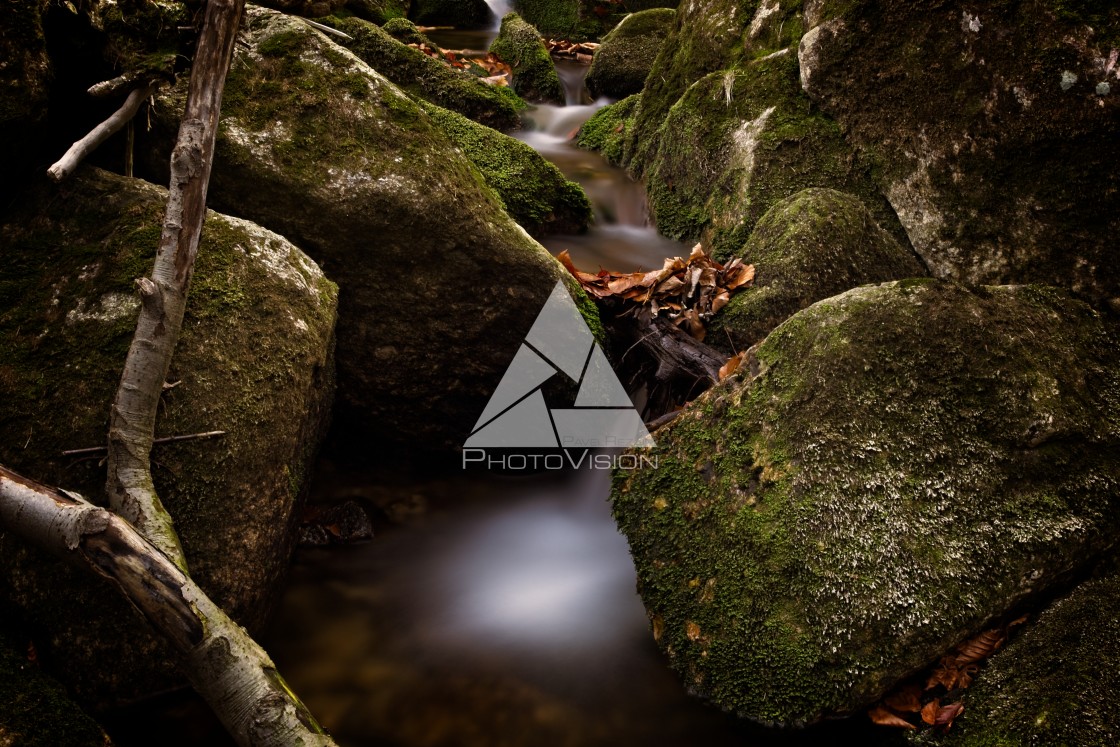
[(810, 246), (605, 132), (532, 189), (896, 467), (534, 76), (994, 137), (622, 64), (427, 78), (464, 14), (1055, 683), (439, 284), (254, 360), (342, 524)]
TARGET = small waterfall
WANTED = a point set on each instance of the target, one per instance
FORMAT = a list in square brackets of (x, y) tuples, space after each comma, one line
[(499, 8)]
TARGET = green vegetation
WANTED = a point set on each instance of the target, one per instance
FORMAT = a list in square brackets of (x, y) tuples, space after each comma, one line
[(606, 130), (534, 76), (623, 62)]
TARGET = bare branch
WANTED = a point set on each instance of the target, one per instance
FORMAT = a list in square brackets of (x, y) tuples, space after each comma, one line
[(225, 665), (164, 440), (132, 493), (109, 88), (65, 166)]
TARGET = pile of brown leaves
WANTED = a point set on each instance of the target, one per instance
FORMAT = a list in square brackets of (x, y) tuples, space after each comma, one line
[(953, 673), (689, 291), (566, 50), (485, 65)]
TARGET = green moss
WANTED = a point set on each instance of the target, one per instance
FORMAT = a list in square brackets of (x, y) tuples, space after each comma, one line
[(622, 64), (253, 359), (428, 78), (406, 32), (532, 189), (379, 11), (606, 130), (577, 20), (34, 709), (882, 487), (468, 14), (534, 75)]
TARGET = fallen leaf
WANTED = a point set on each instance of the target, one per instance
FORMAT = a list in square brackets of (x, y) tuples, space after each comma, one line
[(884, 717), (692, 630), (905, 700), (930, 711), (732, 365), (946, 715)]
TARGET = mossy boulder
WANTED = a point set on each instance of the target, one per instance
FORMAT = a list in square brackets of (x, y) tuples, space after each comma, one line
[(810, 246), (427, 78), (636, 6), (438, 282), (605, 132), (992, 129), (709, 36), (622, 64), (896, 468), (534, 76), (254, 360), (305, 8), (738, 142), (1055, 683), (577, 20), (406, 32), (464, 14), (378, 11), (532, 189), (35, 710)]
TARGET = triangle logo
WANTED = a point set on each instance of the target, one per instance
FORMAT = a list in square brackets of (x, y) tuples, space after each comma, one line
[(559, 342)]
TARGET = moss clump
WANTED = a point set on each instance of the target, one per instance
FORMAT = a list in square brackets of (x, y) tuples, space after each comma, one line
[(465, 14), (1055, 683), (532, 189), (896, 467), (622, 64), (606, 130), (738, 142), (406, 32), (34, 709), (534, 75), (254, 359), (989, 136), (429, 79), (379, 11), (810, 246), (578, 20)]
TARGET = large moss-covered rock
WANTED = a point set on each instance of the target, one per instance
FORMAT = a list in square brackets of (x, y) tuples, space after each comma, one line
[(896, 467), (534, 75), (34, 708), (378, 11), (438, 283), (741, 140), (466, 14), (532, 189), (622, 64), (427, 78), (992, 128), (1055, 683), (577, 20), (254, 360), (810, 246)]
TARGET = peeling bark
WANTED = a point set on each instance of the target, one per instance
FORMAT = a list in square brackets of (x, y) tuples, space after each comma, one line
[(132, 493), (225, 665)]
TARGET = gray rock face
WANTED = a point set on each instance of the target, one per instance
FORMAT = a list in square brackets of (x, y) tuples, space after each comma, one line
[(254, 360), (439, 284), (622, 64), (898, 465), (810, 246), (994, 135)]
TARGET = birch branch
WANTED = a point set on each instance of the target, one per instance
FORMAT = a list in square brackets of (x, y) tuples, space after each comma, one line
[(132, 421), (227, 668), (77, 153)]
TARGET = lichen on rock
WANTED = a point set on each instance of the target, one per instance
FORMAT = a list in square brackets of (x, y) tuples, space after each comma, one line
[(897, 467), (254, 360)]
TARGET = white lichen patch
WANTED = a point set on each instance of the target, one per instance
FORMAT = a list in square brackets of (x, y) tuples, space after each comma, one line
[(1067, 80), (259, 143), (970, 23), (278, 256), (109, 308), (745, 142), (765, 11), (809, 51)]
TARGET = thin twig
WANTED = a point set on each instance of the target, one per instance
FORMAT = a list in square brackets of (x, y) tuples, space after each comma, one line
[(77, 153), (164, 440), (327, 29)]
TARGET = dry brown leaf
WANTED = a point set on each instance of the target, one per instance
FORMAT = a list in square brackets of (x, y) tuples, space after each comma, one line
[(658, 627), (905, 700), (930, 711), (884, 717), (732, 365), (692, 630), (980, 647), (946, 716)]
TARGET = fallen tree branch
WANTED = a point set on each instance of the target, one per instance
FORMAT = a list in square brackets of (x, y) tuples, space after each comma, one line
[(77, 153), (132, 420), (227, 668), (326, 29), (110, 88), (164, 440)]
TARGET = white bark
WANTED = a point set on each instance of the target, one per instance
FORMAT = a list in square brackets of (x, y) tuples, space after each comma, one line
[(65, 166), (227, 668)]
